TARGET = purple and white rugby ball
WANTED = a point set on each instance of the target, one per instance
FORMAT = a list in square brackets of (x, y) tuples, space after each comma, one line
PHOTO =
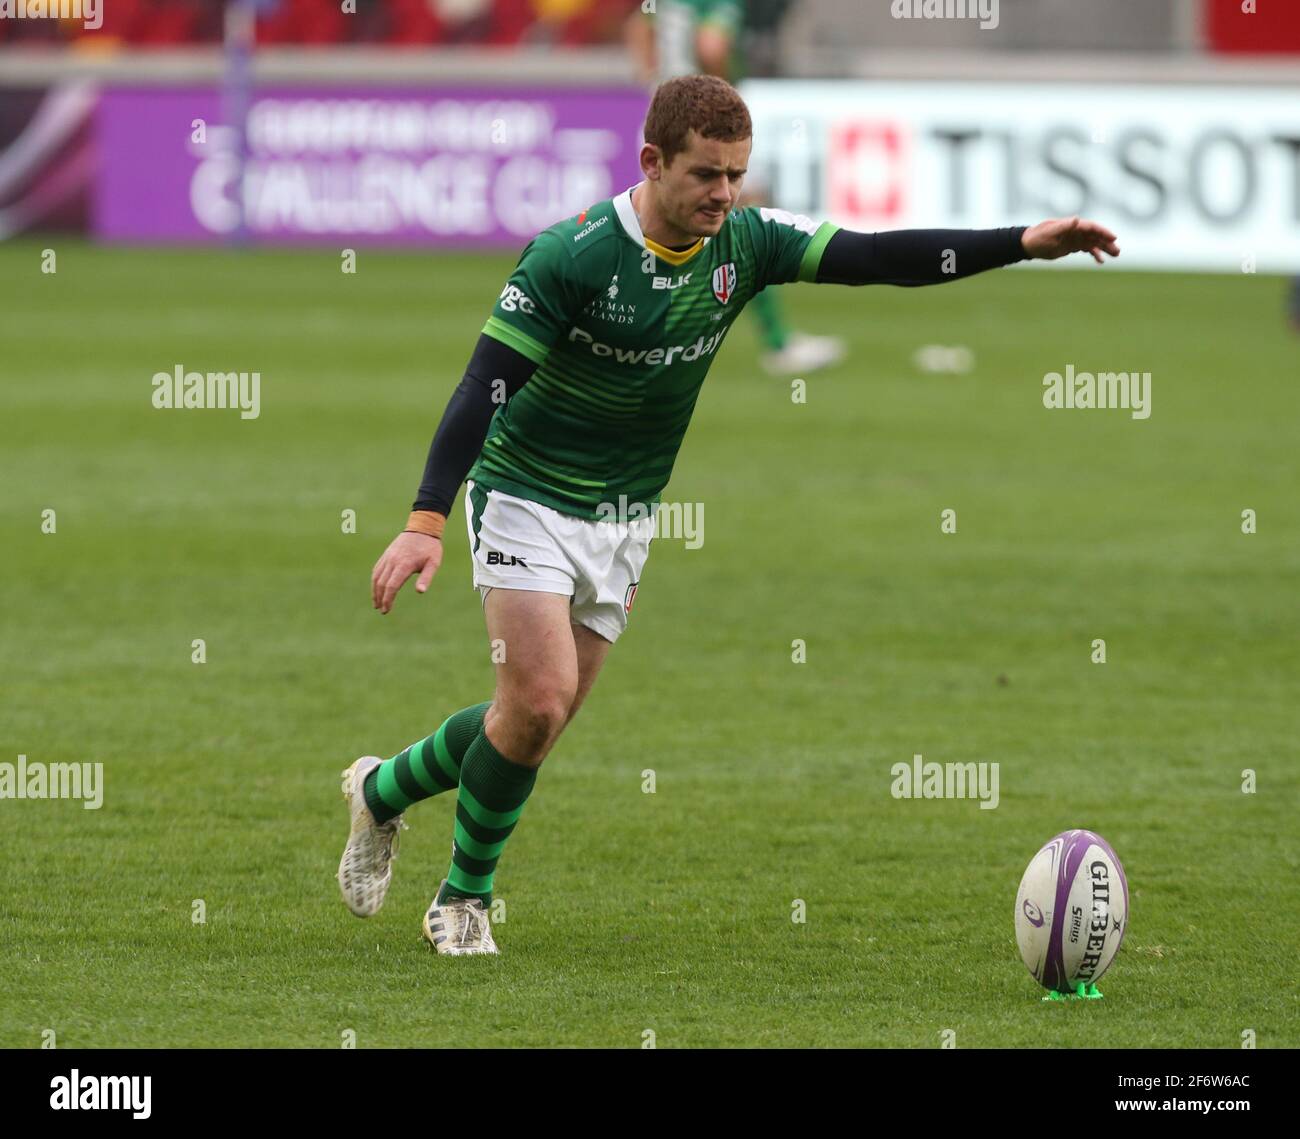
[(1071, 910)]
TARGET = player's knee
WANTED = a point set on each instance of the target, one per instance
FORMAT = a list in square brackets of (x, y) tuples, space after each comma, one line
[(541, 713)]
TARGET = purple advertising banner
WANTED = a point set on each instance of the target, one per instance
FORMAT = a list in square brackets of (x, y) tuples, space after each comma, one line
[(458, 167)]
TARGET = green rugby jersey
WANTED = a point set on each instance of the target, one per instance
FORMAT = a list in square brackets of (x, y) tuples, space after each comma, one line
[(623, 332)]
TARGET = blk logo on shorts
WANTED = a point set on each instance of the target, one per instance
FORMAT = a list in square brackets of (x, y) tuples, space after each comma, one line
[(495, 559), (629, 597), (724, 282)]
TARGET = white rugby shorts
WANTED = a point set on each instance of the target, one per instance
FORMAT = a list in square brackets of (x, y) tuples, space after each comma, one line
[(519, 544)]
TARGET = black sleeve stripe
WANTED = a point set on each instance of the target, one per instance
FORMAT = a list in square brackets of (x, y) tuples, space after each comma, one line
[(917, 256), (459, 438)]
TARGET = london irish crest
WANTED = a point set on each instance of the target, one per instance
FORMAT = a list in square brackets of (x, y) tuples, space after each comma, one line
[(724, 282)]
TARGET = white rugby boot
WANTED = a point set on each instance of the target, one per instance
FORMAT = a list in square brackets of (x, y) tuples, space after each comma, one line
[(458, 926), (365, 870), (803, 354)]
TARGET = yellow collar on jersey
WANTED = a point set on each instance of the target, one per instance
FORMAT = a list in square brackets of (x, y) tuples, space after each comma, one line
[(670, 255)]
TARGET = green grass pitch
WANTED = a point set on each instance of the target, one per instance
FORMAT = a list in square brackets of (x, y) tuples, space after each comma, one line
[(671, 911)]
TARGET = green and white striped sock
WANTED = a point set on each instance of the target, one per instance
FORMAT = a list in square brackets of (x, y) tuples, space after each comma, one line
[(426, 768), (492, 794)]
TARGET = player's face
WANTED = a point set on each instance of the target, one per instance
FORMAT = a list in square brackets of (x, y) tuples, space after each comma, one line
[(702, 184)]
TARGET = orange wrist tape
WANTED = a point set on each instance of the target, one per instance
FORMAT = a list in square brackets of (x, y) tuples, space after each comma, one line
[(426, 522)]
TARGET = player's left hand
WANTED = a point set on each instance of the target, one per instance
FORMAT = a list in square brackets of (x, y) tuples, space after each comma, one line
[(1057, 237)]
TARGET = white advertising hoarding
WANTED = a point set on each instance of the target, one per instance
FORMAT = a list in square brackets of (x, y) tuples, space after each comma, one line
[(1190, 177)]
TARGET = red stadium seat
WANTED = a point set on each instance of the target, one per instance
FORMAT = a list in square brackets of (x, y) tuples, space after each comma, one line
[(510, 21), (309, 22), (411, 22), (165, 24), (1272, 28), (502, 23)]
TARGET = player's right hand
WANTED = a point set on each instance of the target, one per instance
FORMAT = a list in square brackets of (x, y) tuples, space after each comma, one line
[(1058, 237), (407, 554)]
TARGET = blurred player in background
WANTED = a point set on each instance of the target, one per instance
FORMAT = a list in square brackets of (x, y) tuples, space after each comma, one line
[(669, 38)]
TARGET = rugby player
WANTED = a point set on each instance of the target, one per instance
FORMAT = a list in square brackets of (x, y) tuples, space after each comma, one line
[(565, 429)]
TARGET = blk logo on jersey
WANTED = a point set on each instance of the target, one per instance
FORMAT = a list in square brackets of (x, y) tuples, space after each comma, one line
[(670, 282), (724, 282), (496, 559)]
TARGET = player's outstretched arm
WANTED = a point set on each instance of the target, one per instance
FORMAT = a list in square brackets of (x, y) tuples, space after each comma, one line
[(494, 374), (913, 257)]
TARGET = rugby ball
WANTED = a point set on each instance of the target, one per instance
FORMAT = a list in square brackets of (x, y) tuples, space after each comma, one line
[(1071, 911)]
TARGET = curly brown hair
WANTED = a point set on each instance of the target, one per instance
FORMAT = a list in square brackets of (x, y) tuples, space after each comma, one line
[(702, 103)]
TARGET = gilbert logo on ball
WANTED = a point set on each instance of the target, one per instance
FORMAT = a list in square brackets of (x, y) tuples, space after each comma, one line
[(1071, 911)]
